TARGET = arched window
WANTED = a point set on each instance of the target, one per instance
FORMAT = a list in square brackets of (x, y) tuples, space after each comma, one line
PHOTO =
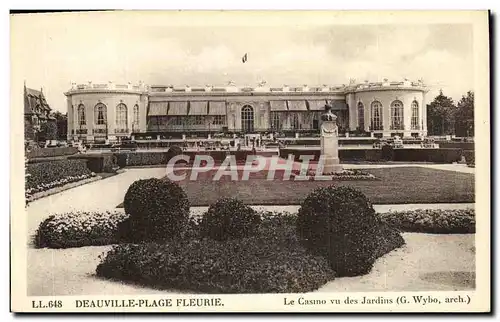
[(377, 116), (397, 122), (361, 116), (81, 115), (136, 115), (100, 114), (414, 115), (247, 118), (121, 116)]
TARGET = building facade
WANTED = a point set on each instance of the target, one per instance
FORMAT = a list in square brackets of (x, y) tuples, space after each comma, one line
[(36, 112), (109, 111)]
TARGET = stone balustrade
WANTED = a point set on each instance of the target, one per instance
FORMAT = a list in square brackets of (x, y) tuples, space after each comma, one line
[(261, 87)]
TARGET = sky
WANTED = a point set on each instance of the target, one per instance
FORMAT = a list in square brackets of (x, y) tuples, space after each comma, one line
[(54, 50)]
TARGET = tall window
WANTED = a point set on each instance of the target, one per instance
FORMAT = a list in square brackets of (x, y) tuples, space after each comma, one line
[(219, 120), (247, 122), (81, 115), (100, 114), (397, 116), (198, 120), (121, 116), (294, 121), (414, 115), (361, 116), (315, 121), (136, 115), (377, 120), (275, 121), (178, 120)]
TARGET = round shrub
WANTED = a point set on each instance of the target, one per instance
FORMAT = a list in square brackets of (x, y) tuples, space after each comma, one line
[(229, 218), (158, 209), (340, 224)]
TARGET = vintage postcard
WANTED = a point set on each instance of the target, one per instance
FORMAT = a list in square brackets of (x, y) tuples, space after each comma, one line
[(250, 161)]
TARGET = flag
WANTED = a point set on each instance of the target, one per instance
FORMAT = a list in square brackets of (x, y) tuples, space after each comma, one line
[(245, 58)]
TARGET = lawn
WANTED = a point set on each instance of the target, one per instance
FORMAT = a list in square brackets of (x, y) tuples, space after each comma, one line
[(396, 186)]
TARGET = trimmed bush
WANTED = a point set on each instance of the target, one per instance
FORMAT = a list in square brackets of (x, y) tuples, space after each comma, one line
[(78, 229), (51, 152), (147, 158), (98, 163), (158, 209), (434, 221), (387, 152), (340, 224), (229, 218), (121, 159), (48, 175), (174, 150), (208, 266)]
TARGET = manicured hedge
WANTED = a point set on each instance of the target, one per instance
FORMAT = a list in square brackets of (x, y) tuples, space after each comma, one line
[(51, 152), (162, 158), (77, 229), (375, 155), (47, 175), (147, 158), (470, 157), (433, 221), (99, 162), (271, 262)]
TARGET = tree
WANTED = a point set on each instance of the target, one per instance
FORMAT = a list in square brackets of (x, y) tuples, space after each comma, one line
[(441, 115), (464, 115), (48, 131), (62, 124)]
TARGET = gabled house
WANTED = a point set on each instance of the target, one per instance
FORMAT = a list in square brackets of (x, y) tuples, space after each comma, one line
[(36, 112)]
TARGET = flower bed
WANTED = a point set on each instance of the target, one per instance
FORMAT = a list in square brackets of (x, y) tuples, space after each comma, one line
[(433, 221), (77, 229), (424, 221), (346, 175), (48, 175)]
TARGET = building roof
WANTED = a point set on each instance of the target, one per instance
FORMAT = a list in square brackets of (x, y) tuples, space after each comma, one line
[(34, 98)]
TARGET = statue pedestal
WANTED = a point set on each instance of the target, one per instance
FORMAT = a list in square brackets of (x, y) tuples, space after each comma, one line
[(329, 144), (330, 155)]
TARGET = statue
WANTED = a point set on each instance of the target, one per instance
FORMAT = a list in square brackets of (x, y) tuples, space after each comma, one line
[(329, 142)]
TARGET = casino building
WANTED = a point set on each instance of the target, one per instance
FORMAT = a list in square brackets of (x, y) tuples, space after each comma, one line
[(111, 112)]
